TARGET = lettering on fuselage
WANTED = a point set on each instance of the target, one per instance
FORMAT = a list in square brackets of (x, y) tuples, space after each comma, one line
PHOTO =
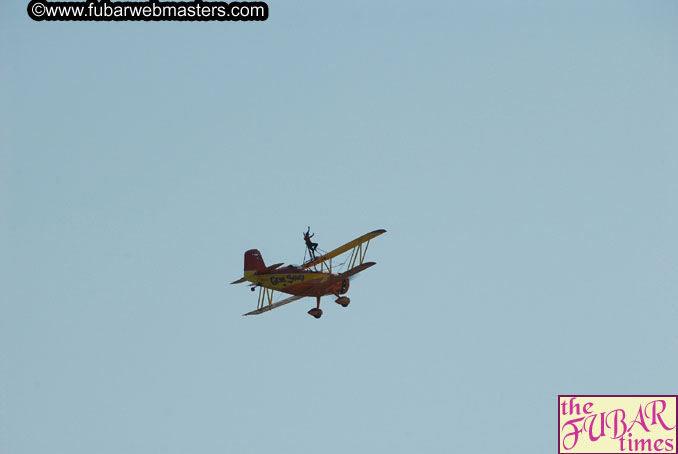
[(287, 280)]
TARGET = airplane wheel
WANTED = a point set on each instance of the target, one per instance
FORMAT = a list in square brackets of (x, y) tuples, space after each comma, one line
[(343, 301), (317, 313)]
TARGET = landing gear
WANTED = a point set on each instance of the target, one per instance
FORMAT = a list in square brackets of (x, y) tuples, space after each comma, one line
[(343, 301), (316, 312)]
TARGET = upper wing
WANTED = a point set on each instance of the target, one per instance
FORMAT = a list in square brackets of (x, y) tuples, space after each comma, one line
[(268, 307), (264, 271), (268, 269), (341, 249)]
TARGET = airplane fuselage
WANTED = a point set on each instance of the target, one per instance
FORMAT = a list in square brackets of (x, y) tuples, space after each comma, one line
[(295, 281)]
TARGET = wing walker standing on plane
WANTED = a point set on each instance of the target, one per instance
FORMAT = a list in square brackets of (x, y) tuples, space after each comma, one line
[(314, 278)]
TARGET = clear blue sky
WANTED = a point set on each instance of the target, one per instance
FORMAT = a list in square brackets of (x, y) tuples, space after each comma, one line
[(522, 156)]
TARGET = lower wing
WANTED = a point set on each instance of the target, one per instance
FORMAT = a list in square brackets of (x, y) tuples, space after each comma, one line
[(357, 269), (269, 307)]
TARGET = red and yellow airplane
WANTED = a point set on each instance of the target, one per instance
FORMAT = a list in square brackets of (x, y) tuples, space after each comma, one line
[(313, 278)]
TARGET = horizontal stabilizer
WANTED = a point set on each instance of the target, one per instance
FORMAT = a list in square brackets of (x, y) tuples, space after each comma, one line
[(239, 281)]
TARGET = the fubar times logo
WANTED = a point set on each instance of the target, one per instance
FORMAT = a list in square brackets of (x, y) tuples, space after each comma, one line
[(590, 424)]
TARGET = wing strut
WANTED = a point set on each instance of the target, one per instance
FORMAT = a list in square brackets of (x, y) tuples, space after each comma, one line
[(265, 295)]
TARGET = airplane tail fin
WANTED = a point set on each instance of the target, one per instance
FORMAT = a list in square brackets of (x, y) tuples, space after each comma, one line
[(253, 261)]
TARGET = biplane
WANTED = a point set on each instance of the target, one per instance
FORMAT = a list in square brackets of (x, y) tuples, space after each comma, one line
[(315, 278)]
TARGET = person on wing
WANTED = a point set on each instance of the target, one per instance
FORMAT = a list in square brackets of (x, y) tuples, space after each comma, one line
[(311, 246)]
